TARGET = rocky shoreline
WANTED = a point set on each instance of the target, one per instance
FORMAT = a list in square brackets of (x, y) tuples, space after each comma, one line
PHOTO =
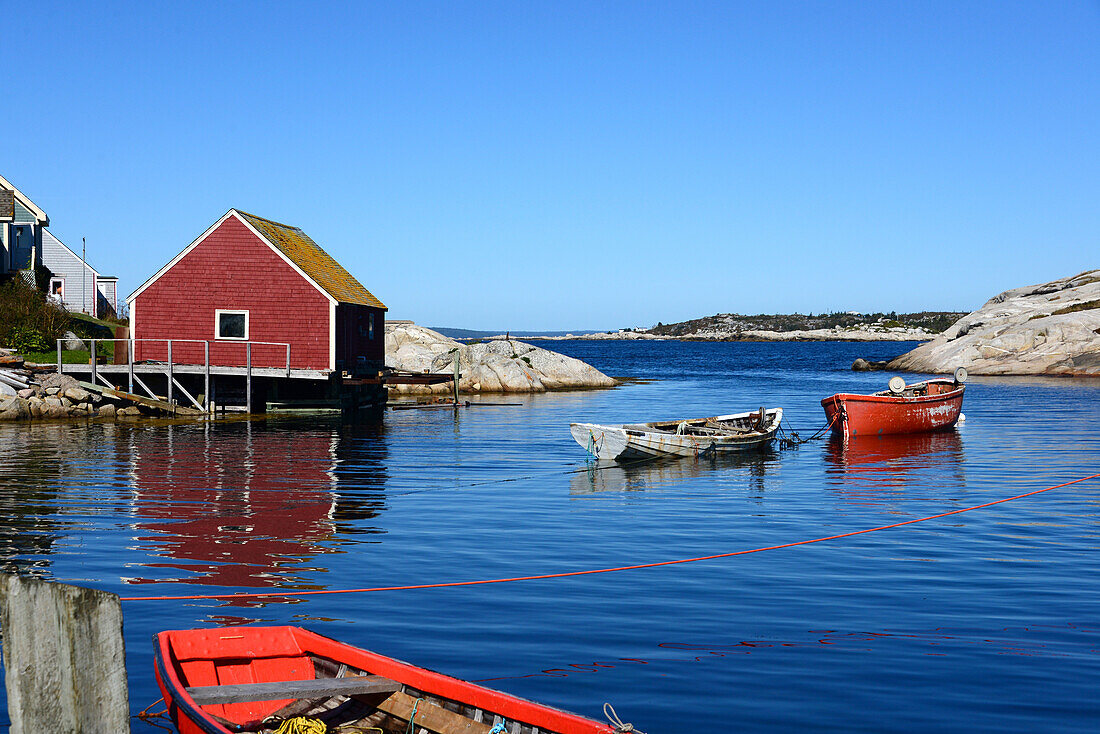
[(891, 334), (60, 396), (498, 365), (1047, 329)]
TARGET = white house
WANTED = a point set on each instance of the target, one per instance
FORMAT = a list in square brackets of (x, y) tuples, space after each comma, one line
[(29, 249)]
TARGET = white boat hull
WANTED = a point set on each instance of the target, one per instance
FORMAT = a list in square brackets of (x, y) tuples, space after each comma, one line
[(691, 437)]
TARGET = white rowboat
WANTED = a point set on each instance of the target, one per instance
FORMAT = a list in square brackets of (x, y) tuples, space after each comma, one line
[(685, 437)]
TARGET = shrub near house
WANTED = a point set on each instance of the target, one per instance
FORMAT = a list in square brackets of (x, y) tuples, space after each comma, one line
[(29, 322)]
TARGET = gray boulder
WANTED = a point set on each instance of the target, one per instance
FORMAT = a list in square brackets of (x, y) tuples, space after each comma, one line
[(14, 408), (77, 394), (72, 342), (61, 382), (1052, 329), (500, 365)]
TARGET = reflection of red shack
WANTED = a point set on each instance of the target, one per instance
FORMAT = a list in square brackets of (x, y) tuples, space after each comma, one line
[(230, 519), (249, 279)]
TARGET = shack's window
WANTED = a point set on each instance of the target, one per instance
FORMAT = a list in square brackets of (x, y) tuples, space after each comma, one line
[(232, 324), (370, 327)]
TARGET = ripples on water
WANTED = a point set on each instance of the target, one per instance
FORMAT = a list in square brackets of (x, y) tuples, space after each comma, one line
[(984, 621)]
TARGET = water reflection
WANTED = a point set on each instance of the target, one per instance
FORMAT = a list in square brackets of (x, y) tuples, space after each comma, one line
[(247, 506), (38, 504), (606, 476), (894, 461)]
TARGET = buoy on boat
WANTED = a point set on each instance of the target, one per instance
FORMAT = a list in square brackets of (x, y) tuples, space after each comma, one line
[(962, 417), (960, 375), (897, 385)]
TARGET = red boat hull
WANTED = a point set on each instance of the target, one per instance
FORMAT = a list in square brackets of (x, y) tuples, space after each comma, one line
[(861, 415), (242, 655)]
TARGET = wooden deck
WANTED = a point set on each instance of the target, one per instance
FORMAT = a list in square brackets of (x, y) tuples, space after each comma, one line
[(134, 377)]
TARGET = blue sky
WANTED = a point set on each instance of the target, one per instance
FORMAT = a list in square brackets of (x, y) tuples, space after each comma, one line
[(526, 165)]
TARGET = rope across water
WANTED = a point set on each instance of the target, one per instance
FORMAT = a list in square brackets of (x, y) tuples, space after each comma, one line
[(589, 572)]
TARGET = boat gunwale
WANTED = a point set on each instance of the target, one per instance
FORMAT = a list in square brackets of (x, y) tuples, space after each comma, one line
[(652, 427), (898, 399), (430, 682)]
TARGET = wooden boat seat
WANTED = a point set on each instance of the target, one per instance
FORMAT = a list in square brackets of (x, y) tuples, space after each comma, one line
[(357, 685)]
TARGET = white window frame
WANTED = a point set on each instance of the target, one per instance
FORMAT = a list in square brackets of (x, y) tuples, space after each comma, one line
[(218, 320), (61, 291)]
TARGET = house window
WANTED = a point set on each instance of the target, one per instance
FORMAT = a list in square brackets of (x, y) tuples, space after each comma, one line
[(370, 327), (231, 324), (57, 290)]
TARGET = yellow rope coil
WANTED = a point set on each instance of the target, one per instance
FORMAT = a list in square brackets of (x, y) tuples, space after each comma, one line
[(302, 725)]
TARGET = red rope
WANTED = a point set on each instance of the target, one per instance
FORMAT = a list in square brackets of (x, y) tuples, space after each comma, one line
[(603, 570)]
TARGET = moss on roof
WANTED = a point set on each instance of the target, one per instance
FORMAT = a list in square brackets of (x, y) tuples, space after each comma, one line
[(314, 262)]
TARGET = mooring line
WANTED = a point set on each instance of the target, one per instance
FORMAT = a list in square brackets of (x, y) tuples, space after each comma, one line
[(589, 572)]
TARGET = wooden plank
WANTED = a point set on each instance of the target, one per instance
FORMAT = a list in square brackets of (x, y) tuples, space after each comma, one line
[(359, 685), (140, 400), (64, 659), (430, 716)]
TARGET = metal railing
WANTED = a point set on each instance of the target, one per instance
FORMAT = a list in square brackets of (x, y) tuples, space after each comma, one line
[(170, 364)]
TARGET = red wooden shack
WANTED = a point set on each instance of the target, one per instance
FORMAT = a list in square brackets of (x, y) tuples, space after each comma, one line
[(249, 280)]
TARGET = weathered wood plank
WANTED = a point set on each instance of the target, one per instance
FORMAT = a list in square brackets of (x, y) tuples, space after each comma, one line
[(64, 658), (359, 685), (139, 399), (431, 716)]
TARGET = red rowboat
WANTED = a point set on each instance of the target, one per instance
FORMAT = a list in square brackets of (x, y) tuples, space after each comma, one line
[(932, 405), (252, 679)]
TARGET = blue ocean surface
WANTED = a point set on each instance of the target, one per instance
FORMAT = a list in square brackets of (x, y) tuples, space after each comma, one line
[(983, 621)]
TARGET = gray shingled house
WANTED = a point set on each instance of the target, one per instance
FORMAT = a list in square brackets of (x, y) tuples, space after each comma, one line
[(28, 248)]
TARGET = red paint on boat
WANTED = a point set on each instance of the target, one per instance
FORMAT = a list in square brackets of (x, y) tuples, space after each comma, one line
[(210, 657), (936, 409)]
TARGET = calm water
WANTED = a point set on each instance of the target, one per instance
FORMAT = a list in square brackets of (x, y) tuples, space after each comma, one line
[(987, 621)]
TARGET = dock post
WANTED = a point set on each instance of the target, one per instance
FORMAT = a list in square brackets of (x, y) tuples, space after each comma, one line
[(130, 363), (92, 360), (206, 376), (59, 356), (248, 379), (170, 379), (456, 379), (64, 658)]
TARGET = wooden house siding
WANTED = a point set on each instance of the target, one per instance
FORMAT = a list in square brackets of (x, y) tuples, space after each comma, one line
[(107, 297), (233, 269), (354, 336), (80, 278), (23, 215)]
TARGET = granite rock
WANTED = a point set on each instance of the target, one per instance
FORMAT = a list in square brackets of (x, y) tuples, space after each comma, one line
[(500, 365), (13, 408), (1047, 329)]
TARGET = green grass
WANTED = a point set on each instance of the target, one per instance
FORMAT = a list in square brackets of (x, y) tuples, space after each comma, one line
[(105, 353)]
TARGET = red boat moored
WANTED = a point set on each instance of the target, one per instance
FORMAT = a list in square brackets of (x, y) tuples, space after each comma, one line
[(932, 405), (253, 679)]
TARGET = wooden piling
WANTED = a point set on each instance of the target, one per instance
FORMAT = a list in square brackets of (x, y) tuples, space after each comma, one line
[(456, 381), (64, 659)]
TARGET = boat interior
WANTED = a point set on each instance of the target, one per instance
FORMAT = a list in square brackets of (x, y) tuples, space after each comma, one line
[(347, 700), (922, 389), (743, 424)]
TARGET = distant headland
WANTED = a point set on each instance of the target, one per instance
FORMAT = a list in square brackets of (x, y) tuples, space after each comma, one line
[(843, 326)]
